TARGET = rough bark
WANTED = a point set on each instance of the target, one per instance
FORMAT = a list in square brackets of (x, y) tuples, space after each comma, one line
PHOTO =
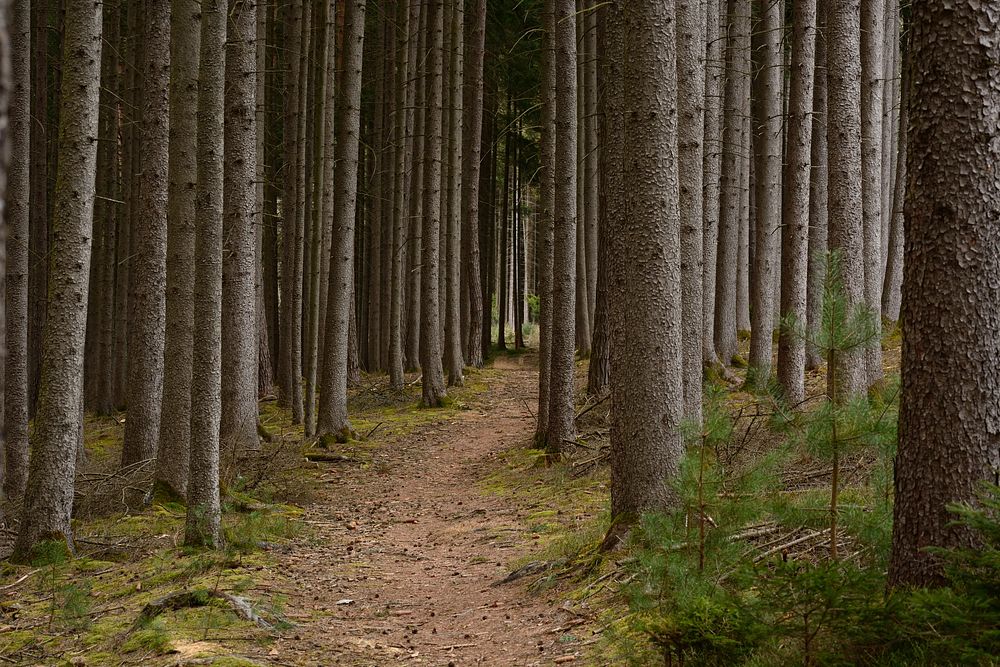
[(175, 433), (795, 202), (846, 225), (767, 121), (610, 49), (690, 143), (591, 161), (893, 281), (546, 220), (414, 308), (818, 199), (647, 391), (872, 87), (333, 387), (737, 47), (204, 507), (949, 409), (453, 316), (399, 233), (48, 501), (471, 168), (714, 76), (238, 428), (14, 463), (433, 385), (561, 429), (148, 274)]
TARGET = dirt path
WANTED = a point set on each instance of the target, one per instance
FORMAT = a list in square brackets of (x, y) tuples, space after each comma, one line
[(404, 555)]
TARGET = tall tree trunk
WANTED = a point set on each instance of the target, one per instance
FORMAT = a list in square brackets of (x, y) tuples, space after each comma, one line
[(333, 388), (737, 45), (171, 475), (48, 501), (546, 220), (714, 76), (453, 283), (148, 275), (564, 258), (795, 201), (265, 378), (204, 507), (471, 168), (399, 234), (818, 199), (647, 361), (767, 120), (414, 309), (17, 203), (846, 224), (690, 142), (592, 150), (949, 406), (321, 138), (892, 287), (610, 50), (872, 87), (238, 428), (38, 213), (430, 333), (504, 261)]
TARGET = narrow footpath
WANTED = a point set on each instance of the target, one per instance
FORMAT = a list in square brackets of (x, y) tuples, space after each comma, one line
[(404, 555)]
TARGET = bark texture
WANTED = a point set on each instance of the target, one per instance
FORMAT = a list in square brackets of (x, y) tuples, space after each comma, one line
[(14, 463), (561, 429), (240, 219), (647, 392), (949, 414), (333, 388), (846, 225), (175, 432), (48, 501), (148, 257), (204, 507), (795, 203), (432, 384)]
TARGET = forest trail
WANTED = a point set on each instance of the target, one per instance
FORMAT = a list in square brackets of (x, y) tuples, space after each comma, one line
[(416, 546)]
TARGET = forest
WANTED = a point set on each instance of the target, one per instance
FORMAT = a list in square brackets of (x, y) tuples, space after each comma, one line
[(499, 332)]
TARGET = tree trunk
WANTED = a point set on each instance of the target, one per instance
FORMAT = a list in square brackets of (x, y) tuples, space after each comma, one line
[(14, 463), (767, 120), (48, 501), (546, 219), (238, 428), (399, 241), (418, 74), (171, 475), (471, 169), (846, 225), (795, 202), (322, 137), (453, 283), (592, 150), (203, 511), (872, 86), (430, 333), (737, 44), (148, 273), (504, 263), (690, 142), (892, 287), (561, 429), (333, 388), (647, 361), (949, 408), (714, 75), (610, 51), (818, 199)]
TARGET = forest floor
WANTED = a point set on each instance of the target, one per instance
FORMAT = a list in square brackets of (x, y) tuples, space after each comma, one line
[(395, 550)]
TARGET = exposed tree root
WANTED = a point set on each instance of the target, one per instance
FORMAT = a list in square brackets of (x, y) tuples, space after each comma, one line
[(199, 598)]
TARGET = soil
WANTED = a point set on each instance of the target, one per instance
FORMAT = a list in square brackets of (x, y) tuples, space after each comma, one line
[(405, 555)]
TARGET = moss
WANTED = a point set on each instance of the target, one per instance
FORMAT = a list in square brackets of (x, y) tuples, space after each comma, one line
[(153, 638)]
